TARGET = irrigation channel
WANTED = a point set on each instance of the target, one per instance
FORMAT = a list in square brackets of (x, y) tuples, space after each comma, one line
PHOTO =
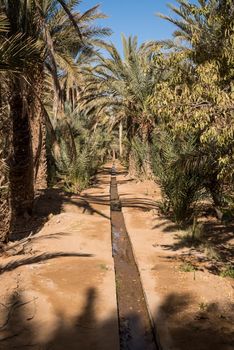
[(135, 327)]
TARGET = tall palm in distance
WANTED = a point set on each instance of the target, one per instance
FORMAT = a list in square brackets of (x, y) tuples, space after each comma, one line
[(120, 87)]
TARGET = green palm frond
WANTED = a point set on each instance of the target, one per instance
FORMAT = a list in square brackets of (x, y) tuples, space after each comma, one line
[(180, 186), (18, 53), (92, 14)]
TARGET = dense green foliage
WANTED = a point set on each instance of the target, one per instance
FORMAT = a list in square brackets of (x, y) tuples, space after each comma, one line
[(195, 107), (80, 152)]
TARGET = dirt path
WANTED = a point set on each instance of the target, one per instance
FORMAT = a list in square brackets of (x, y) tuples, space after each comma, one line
[(61, 294), (72, 302)]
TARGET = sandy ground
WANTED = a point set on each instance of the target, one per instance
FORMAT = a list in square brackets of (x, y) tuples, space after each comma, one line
[(70, 300), (56, 297)]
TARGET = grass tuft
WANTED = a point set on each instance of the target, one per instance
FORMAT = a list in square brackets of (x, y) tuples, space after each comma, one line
[(187, 267), (227, 272)]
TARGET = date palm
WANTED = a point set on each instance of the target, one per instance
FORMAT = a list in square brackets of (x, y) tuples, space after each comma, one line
[(32, 27), (67, 47), (120, 87)]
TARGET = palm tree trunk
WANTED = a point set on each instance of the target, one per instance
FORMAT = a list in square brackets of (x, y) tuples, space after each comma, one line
[(39, 151), (38, 131), (21, 164), (120, 139), (130, 155), (4, 203), (148, 161)]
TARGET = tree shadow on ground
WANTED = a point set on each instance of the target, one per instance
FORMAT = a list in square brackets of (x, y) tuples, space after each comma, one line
[(108, 170), (166, 225), (38, 258), (140, 203), (85, 201), (99, 182), (178, 326), (47, 202), (51, 201), (205, 327), (213, 245), (215, 233)]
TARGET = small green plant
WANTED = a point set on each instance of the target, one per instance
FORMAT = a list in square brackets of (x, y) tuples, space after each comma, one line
[(211, 252), (203, 306), (187, 267), (228, 272), (197, 230)]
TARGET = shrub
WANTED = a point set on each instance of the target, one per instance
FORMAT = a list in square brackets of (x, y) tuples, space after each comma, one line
[(81, 152), (140, 152), (180, 188)]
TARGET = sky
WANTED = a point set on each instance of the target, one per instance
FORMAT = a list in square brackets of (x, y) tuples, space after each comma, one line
[(134, 17)]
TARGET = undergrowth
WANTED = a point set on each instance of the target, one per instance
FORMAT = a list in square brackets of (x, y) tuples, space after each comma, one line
[(187, 267), (81, 152), (227, 272), (180, 189)]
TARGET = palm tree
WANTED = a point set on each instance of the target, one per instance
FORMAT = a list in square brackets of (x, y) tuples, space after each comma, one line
[(20, 102), (29, 25), (17, 55), (120, 87), (66, 53)]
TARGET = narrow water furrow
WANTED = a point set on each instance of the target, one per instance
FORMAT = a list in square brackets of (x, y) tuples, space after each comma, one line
[(136, 332)]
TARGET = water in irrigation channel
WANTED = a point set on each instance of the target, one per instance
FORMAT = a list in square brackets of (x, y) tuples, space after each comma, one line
[(135, 327)]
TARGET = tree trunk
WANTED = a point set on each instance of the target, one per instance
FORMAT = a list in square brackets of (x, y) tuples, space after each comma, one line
[(21, 164), (4, 203), (132, 167), (38, 131), (120, 139), (147, 165), (216, 192), (5, 149), (39, 149)]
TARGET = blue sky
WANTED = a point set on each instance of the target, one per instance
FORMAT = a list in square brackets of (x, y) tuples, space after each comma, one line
[(134, 17)]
